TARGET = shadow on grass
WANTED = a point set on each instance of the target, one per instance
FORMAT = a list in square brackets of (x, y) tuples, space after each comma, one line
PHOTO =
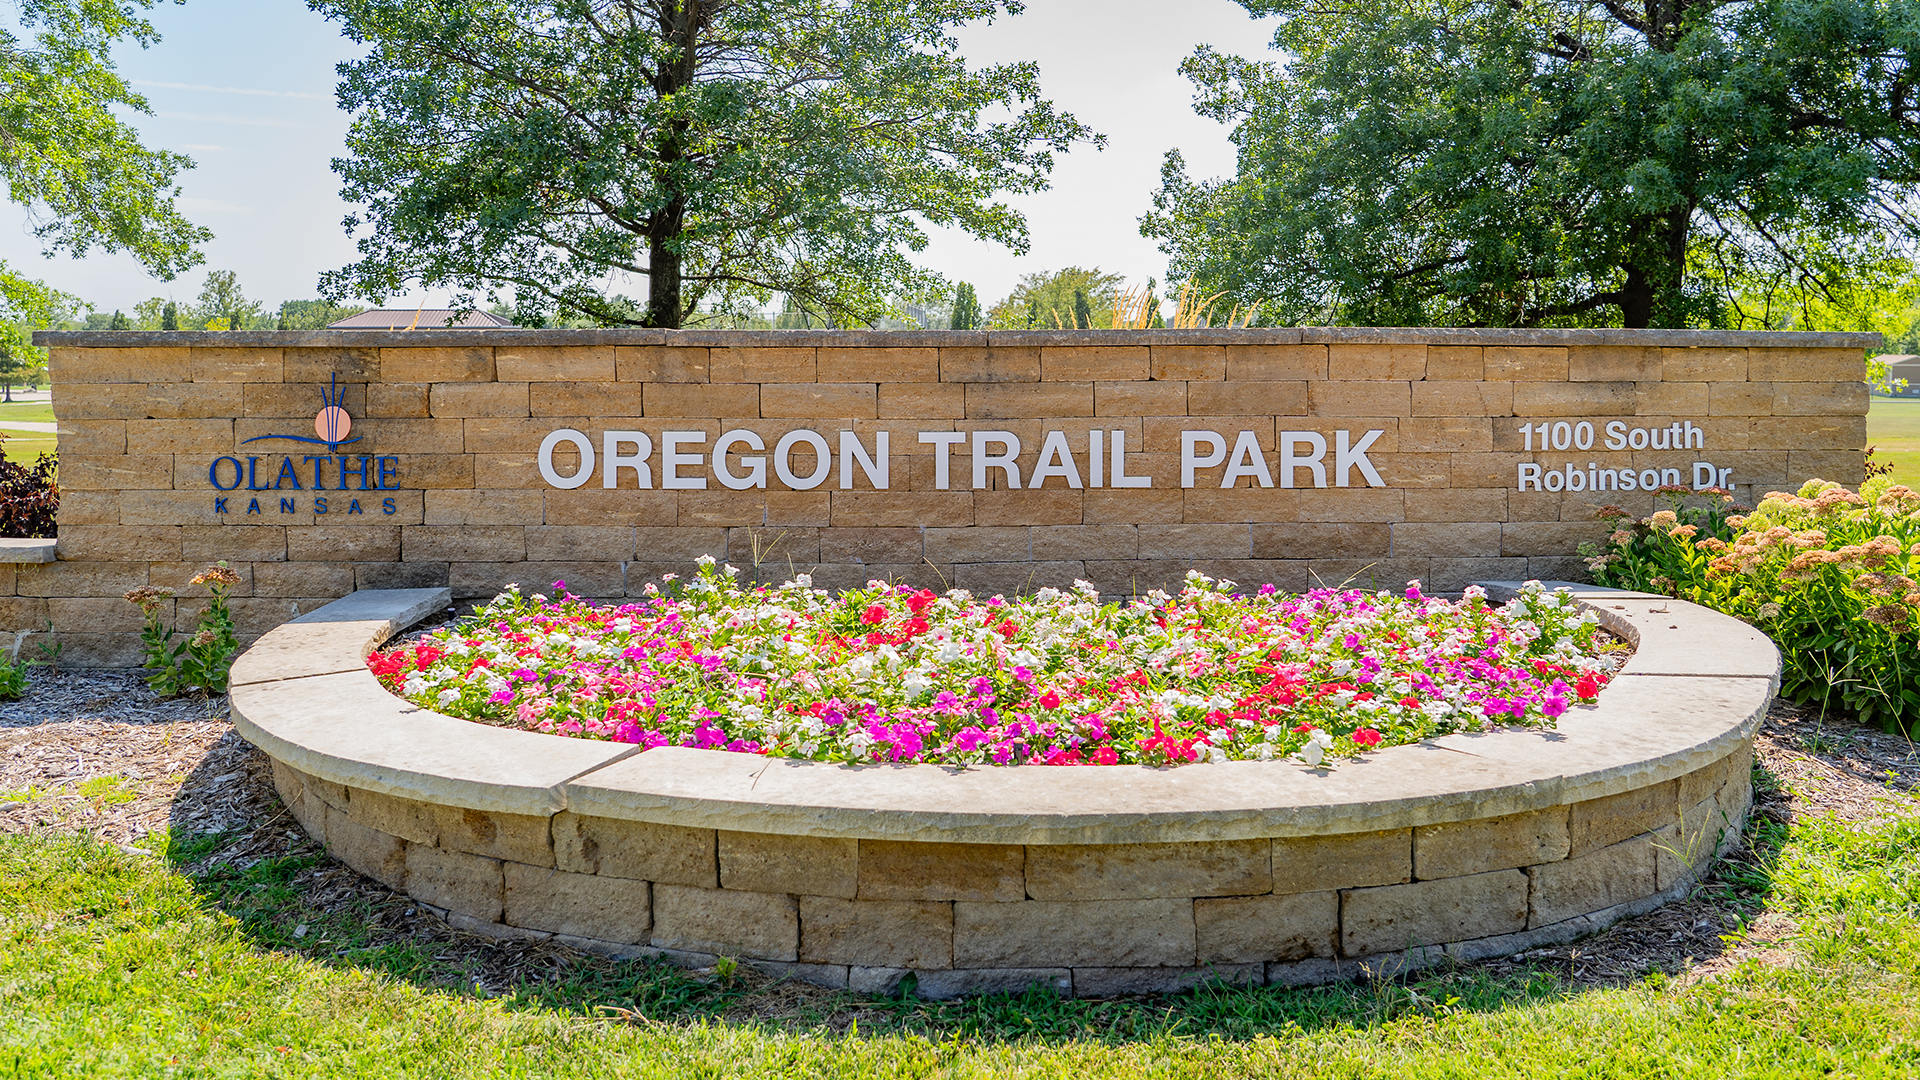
[(288, 895)]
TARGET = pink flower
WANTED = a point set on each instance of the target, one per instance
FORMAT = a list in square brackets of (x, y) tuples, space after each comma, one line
[(1366, 736)]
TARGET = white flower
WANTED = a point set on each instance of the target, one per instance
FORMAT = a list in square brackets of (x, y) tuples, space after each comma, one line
[(1216, 756), (1264, 751), (1316, 749), (447, 697), (706, 560)]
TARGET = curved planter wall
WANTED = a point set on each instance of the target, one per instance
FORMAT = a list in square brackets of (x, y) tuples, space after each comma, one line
[(1093, 880)]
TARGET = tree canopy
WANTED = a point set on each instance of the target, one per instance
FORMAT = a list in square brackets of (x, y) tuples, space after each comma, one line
[(82, 173), (1557, 162), (1059, 299), (726, 150)]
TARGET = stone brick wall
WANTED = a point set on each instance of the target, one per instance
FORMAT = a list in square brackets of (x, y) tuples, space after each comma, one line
[(148, 420), (1090, 920)]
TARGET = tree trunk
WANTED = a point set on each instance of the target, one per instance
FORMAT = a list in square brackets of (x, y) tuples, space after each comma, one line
[(1654, 280), (681, 22)]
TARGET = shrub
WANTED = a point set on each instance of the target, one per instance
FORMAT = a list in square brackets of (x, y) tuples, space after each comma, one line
[(199, 661), (29, 497), (1828, 573)]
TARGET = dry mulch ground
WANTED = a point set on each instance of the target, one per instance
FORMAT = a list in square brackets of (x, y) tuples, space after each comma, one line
[(97, 751)]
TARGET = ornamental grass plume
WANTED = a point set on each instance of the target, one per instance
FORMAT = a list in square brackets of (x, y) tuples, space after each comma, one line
[(891, 673), (1827, 572)]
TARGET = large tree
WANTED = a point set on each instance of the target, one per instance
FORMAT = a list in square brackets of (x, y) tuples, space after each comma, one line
[(725, 150), (1556, 162), (83, 174)]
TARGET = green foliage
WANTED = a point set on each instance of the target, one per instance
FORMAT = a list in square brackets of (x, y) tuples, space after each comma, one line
[(728, 152), (177, 663), (13, 679), (966, 308), (66, 156), (222, 305), (1829, 574), (1555, 162), (119, 321), (170, 316), (314, 314), (1053, 300)]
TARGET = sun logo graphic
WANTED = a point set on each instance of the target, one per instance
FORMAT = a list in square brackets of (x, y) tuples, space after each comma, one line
[(331, 424)]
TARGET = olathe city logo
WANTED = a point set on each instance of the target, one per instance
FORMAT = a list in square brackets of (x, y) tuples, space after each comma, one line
[(329, 472)]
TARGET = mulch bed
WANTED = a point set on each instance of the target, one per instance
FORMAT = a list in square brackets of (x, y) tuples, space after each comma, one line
[(179, 765)]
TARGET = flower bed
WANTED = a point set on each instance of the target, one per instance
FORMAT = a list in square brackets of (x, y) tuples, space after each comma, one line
[(891, 674), (1828, 573)]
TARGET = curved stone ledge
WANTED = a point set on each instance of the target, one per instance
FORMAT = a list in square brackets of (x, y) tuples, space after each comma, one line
[(1091, 880)]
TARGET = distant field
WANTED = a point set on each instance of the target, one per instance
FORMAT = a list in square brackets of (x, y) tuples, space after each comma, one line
[(1893, 430), (37, 412)]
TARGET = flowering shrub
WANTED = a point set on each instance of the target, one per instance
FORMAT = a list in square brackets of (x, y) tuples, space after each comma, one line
[(1828, 573), (890, 674)]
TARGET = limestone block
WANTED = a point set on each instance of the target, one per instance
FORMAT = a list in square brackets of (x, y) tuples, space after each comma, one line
[(242, 365), (1463, 399), (761, 365), (1590, 882), (1739, 398), (1211, 541), (1806, 365), (408, 400), (303, 579), (730, 922), (916, 401), (1789, 399), (116, 365), (888, 933), (79, 578), (469, 507), (1306, 863), (1246, 397), (463, 543), (1276, 362), (96, 614), (1139, 871), (978, 544), (946, 985), (917, 365), (1456, 539), (581, 399), (896, 545), (1613, 363), (101, 542), (1573, 399), (1707, 783), (1246, 929), (392, 575), (570, 363), (1457, 504), (1057, 542), (1526, 363), (1681, 850), (1671, 399), (870, 509), (1020, 401), (406, 818), (1180, 363), (104, 437), (581, 905), (701, 400), (1103, 982), (809, 400), (974, 365), (1086, 363), (1318, 540), (1105, 933), (90, 401), (1842, 466), (437, 365), (1456, 849), (632, 849), (1456, 363), (1376, 361), (662, 363), (1360, 398), (1598, 823), (1548, 537), (380, 856), (1703, 364), (1395, 917), (1353, 504), (1029, 506), (1139, 398), (521, 838), (1209, 504), (760, 862), (467, 884), (910, 870), (1791, 433)]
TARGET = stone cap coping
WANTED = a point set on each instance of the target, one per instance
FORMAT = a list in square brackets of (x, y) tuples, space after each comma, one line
[(854, 339), (1679, 706), (13, 550)]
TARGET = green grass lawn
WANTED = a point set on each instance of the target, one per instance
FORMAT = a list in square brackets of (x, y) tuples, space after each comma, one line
[(25, 446), (114, 964), (1893, 430), (38, 412)]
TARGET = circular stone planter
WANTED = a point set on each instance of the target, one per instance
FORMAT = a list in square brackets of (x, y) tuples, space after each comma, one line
[(1093, 880)]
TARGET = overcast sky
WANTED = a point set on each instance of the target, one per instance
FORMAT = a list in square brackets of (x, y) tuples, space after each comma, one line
[(245, 87)]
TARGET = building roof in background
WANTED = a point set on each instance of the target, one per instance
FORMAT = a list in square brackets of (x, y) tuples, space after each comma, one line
[(1901, 360), (418, 319)]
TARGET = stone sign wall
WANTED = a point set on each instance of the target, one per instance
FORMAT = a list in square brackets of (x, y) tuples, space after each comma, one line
[(318, 463)]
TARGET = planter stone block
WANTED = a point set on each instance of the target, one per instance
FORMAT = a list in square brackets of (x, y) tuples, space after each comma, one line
[(906, 870), (901, 933), (1140, 871), (521, 838), (1475, 847), (818, 866), (947, 985), (630, 849), (1244, 929), (577, 905), (727, 922), (1306, 863), (461, 883), (1392, 918), (1598, 879), (380, 856), (1599, 823), (1110, 933)]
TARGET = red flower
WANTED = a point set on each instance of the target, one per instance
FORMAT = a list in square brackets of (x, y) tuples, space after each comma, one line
[(1303, 729), (1050, 700), (1106, 755), (1366, 736), (1588, 686), (918, 602), (874, 615), (916, 626)]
